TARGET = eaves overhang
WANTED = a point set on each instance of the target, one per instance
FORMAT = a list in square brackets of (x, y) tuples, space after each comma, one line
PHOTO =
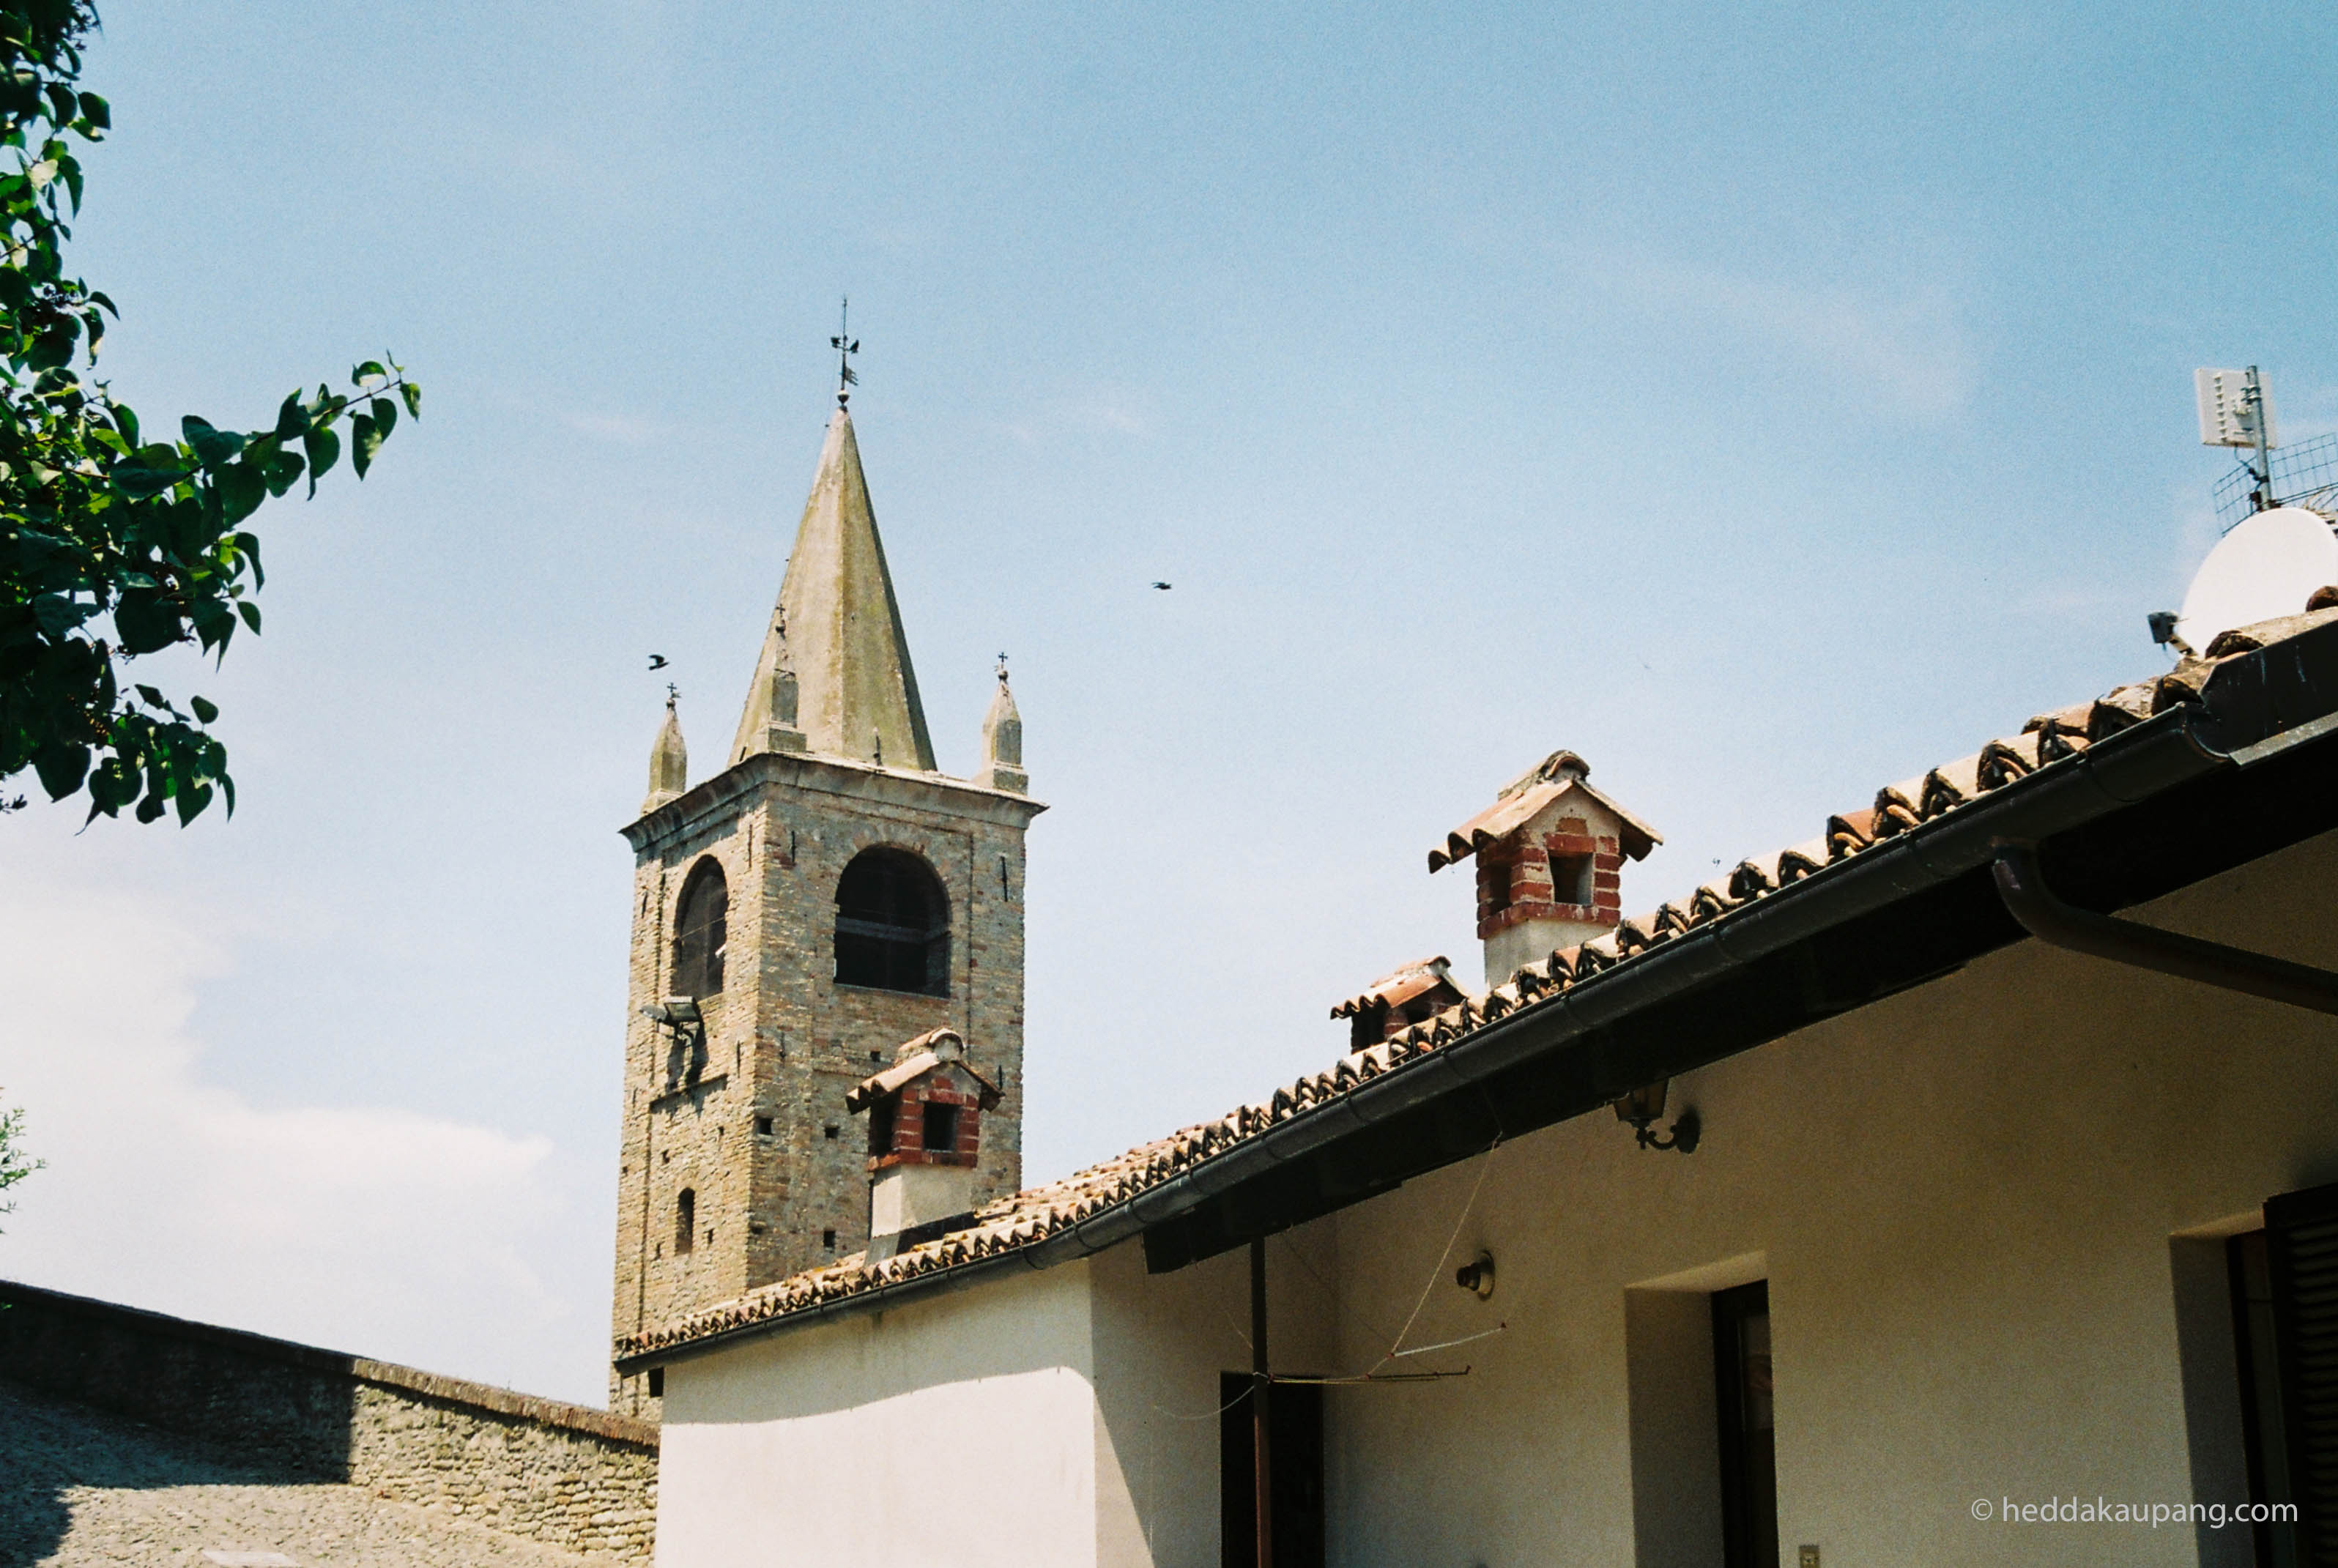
[(2196, 790)]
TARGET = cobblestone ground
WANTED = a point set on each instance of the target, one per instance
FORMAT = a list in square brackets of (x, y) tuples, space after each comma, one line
[(77, 1486)]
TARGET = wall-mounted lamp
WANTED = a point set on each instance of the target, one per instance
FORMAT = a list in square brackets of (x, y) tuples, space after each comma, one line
[(1478, 1277), (674, 1013), (678, 1017), (1642, 1108)]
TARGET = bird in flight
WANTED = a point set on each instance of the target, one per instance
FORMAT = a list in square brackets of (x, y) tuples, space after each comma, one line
[(657, 661), (1163, 586)]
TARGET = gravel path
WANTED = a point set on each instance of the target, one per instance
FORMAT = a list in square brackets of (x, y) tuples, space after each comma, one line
[(78, 1486)]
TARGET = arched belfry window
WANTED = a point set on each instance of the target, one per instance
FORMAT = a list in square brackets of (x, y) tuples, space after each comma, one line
[(892, 925), (699, 931)]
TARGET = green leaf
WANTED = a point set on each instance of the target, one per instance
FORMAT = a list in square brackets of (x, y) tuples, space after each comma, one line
[(97, 111), (153, 699), (241, 488), (365, 441), (192, 800), (146, 622), (206, 710), (291, 421), (370, 367), (216, 447), (251, 613), (61, 767), (141, 480), (385, 413), (324, 448), (412, 393)]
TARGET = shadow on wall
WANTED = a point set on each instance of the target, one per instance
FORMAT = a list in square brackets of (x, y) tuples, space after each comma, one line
[(48, 1450), (284, 1408)]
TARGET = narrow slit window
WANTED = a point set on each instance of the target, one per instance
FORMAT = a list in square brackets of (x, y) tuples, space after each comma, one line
[(685, 1221)]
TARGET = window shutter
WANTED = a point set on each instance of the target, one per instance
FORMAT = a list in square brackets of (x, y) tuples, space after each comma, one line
[(2301, 1246)]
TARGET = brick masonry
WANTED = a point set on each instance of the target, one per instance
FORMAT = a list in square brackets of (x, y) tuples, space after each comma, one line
[(562, 1475), (785, 1043), (1516, 878)]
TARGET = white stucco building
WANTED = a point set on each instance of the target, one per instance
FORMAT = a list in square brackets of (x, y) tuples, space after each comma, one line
[(1962, 1221)]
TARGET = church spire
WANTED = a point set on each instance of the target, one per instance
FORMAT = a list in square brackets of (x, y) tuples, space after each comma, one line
[(1002, 741), (838, 623), (669, 760)]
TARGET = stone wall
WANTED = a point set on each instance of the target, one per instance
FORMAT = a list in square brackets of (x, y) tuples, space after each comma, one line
[(568, 1476)]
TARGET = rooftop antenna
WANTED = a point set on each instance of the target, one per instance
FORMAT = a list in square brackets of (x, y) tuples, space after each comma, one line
[(846, 347), (2235, 410)]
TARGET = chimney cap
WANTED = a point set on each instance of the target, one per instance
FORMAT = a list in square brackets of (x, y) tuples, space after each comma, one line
[(912, 1061), (1555, 775)]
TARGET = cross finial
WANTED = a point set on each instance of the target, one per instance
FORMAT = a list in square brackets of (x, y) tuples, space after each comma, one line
[(846, 348), (1002, 669), (672, 695)]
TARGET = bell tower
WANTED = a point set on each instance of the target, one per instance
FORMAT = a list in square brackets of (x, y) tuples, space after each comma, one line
[(825, 896)]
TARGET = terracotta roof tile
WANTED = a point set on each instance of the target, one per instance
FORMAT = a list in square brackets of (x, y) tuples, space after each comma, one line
[(1029, 1217)]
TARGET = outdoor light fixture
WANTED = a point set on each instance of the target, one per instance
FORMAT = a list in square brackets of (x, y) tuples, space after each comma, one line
[(680, 1014), (1478, 1277), (1642, 1108)]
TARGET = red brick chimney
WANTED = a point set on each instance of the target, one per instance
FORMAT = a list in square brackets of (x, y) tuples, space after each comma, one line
[(925, 1134), (1550, 858)]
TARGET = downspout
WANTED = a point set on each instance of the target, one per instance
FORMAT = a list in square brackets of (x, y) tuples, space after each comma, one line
[(1261, 1431), (2023, 888)]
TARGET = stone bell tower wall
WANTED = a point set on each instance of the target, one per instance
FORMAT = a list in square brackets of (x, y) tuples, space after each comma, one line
[(753, 1123)]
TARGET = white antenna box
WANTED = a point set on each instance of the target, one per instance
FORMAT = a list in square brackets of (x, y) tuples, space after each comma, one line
[(2231, 402)]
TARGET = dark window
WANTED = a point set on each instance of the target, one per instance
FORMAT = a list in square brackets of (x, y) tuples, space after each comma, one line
[(699, 935), (1749, 1449), (892, 925), (941, 1129), (1570, 879), (2258, 1360), (1294, 1450), (828, 1240), (763, 1125), (2301, 1238), (685, 1221), (657, 1382), (832, 1132), (880, 1128)]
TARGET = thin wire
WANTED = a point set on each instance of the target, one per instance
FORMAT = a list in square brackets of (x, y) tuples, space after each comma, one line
[(1340, 1303), (1449, 1343), (1439, 1269), (1210, 1415)]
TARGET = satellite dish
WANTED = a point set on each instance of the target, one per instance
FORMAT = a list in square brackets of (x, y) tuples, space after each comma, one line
[(2267, 567)]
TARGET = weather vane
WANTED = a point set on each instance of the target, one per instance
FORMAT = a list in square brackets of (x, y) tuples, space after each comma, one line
[(846, 348)]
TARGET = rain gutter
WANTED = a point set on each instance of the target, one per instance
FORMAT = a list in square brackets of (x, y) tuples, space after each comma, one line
[(2255, 707)]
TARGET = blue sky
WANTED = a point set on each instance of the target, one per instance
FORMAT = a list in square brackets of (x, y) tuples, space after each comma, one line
[(1765, 402)]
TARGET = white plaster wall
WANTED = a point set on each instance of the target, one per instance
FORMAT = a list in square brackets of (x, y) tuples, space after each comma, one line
[(1964, 1199), (960, 1430), (1973, 1202), (1161, 1342)]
